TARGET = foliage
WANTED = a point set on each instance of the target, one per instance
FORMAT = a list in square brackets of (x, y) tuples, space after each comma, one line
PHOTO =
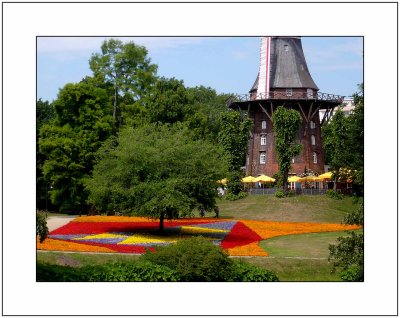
[(233, 197), (168, 101), (334, 195), (355, 217), (234, 137), (280, 194), (44, 114), (156, 171), (235, 185), (195, 259), (69, 142), (131, 272), (286, 126), (127, 68), (343, 141), (348, 255), (111, 272), (207, 108), (57, 273), (245, 272), (41, 225)]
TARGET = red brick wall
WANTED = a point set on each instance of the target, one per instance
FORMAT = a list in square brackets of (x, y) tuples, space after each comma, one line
[(304, 159)]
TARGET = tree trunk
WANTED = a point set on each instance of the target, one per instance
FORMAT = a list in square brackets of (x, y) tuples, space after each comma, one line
[(161, 228), (285, 181), (115, 104)]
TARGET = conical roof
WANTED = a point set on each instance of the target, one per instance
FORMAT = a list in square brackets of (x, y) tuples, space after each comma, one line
[(288, 66)]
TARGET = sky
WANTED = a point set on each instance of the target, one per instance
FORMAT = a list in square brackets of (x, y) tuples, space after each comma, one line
[(226, 64)]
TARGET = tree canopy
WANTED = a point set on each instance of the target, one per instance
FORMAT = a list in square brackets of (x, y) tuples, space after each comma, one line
[(69, 142), (126, 67), (157, 171), (343, 141)]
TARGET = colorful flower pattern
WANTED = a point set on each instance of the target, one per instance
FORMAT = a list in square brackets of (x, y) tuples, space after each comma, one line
[(111, 234)]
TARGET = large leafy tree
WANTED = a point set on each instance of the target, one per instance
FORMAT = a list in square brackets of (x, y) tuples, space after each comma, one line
[(286, 126), (127, 68), (207, 108), (69, 142), (44, 114), (344, 141), (156, 170), (167, 102)]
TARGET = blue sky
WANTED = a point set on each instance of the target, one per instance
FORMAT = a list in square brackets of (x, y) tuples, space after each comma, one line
[(226, 64)]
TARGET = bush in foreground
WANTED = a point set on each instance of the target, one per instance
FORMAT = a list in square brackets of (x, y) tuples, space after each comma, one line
[(190, 260), (194, 259)]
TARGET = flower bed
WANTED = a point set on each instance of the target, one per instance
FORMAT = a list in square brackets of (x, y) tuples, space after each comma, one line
[(135, 235)]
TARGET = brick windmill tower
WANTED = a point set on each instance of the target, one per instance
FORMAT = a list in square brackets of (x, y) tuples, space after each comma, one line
[(284, 80)]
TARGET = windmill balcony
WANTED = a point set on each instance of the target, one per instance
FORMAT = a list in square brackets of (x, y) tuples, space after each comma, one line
[(281, 95)]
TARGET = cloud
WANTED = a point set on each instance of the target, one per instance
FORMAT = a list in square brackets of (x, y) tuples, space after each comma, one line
[(66, 49), (85, 44)]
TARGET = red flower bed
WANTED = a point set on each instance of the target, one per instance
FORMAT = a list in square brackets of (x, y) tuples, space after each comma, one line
[(240, 235)]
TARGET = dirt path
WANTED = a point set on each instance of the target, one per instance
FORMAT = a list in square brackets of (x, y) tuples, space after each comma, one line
[(54, 222)]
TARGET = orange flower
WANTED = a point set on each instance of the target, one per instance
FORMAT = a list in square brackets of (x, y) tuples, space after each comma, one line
[(252, 249), (57, 245), (268, 229)]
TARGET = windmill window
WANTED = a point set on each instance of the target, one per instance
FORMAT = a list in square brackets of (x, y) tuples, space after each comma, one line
[(264, 124), (312, 124), (310, 93), (286, 48), (263, 140), (313, 140), (262, 158), (289, 92), (315, 159), (292, 160)]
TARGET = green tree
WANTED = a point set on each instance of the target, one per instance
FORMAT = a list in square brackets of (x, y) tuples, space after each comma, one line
[(207, 107), (348, 255), (69, 142), (233, 136), (44, 114), (343, 141), (126, 67), (286, 126), (158, 171), (167, 102)]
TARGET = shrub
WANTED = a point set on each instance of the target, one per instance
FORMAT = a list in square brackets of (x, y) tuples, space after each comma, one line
[(111, 272), (130, 272), (355, 217), (334, 195), (57, 273), (232, 197), (194, 259), (280, 194), (41, 225), (348, 255), (245, 272)]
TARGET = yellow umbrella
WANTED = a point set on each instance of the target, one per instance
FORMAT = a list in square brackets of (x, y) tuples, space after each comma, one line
[(310, 179), (248, 179), (264, 178), (294, 179), (223, 181), (326, 175)]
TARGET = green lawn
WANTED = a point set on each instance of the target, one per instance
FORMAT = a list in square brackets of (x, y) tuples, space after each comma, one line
[(301, 208), (294, 257)]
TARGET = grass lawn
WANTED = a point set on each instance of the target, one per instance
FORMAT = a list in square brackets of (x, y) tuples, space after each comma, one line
[(302, 257), (301, 208)]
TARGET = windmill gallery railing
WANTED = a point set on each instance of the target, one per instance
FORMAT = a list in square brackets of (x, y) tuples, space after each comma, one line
[(284, 96)]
